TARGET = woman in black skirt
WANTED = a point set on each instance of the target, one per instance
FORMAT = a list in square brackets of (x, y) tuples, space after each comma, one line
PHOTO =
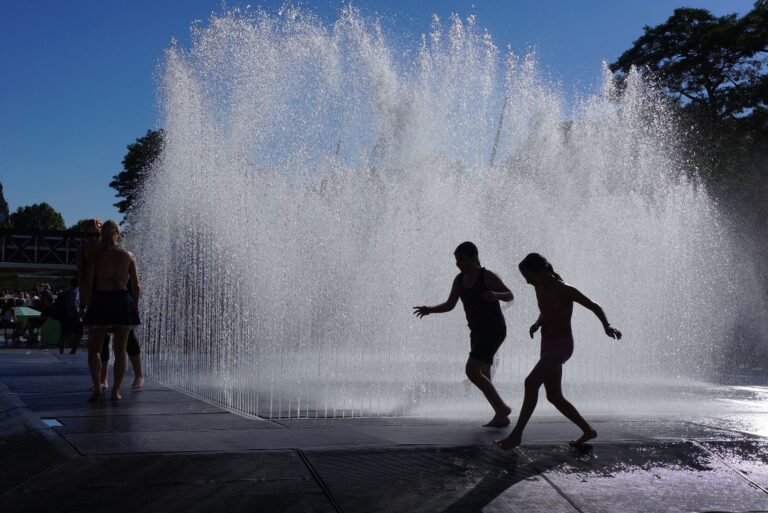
[(111, 306)]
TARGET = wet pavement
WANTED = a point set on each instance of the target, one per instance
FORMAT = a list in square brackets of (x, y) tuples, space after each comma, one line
[(163, 450)]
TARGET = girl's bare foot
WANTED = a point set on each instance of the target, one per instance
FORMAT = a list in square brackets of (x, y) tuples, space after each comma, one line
[(501, 419), (138, 382), (116, 395), (95, 396), (586, 437), (510, 442), (104, 386)]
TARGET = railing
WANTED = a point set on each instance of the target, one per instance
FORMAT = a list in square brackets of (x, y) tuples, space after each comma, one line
[(21, 249)]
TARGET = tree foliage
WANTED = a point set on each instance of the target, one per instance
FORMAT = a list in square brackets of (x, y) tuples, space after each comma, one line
[(40, 216), (78, 227), (713, 65), (137, 164)]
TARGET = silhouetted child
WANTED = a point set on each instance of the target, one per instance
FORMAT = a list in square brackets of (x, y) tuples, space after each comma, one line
[(480, 291), (555, 300)]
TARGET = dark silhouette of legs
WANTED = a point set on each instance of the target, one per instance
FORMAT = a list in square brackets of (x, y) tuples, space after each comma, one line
[(553, 387), (119, 342), (548, 372), (479, 373), (95, 341), (542, 371)]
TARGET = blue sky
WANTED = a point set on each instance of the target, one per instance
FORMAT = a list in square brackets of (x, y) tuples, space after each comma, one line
[(77, 82)]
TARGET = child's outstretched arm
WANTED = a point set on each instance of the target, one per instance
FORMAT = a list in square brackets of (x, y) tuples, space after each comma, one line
[(587, 303), (497, 291), (450, 303)]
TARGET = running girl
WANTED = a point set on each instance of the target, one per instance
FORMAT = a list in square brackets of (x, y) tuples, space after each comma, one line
[(480, 291), (555, 300)]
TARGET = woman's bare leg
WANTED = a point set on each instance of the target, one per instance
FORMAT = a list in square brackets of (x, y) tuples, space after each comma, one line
[(119, 342), (138, 373), (540, 373), (553, 386), (95, 339), (476, 373)]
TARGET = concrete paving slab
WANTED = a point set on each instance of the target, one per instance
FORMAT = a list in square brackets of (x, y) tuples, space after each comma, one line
[(544, 431), (144, 423), (658, 477), (128, 407), (161, 450), (447, 479), (171, 469), (57, 369), (217, 440), (33, 358), (60, 384), (47, 401), (749, 457), (263, 481)]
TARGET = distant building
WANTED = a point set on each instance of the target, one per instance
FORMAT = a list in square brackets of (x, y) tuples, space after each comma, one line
[(28, 257)]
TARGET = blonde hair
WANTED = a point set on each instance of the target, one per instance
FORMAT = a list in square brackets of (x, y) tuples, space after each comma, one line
[(110, 226)]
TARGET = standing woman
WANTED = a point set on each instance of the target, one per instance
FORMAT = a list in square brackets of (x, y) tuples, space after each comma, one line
[(110, 305), (555, 299), (92, 235), (480, 291)]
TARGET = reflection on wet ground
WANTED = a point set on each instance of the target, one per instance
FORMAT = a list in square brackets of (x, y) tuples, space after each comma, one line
[(162, 450)]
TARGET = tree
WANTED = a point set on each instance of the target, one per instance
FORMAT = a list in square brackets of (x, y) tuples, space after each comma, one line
[(137, 163), (714, 66), (3, 209), (78, 227), (40, 216)]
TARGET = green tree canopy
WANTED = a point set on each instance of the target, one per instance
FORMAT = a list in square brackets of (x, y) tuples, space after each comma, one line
[(137, 163), (713, 65), (78, 226), (40, 216)]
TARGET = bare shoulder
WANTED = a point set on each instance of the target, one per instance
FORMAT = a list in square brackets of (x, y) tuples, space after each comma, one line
[(568, 291), (124, 253)]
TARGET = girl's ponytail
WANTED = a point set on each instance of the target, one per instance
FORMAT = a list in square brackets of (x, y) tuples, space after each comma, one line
[(537, 263), (553, 273)]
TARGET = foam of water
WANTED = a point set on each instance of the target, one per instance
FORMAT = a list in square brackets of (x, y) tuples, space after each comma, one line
[(317, 178)]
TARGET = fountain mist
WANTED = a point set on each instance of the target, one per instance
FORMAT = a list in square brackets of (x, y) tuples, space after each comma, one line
[(314, 183)]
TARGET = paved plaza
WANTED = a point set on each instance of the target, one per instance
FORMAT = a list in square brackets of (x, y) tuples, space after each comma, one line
[(162, 450)]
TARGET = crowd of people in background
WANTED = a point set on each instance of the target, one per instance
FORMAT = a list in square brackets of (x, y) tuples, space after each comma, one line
[(60, 305), (102, 297)]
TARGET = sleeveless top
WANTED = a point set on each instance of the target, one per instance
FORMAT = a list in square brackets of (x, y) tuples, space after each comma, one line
[(482, 316)]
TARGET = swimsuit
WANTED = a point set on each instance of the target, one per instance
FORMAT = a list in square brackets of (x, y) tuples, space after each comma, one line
[(559, 346), (112, 308), (486, 322)]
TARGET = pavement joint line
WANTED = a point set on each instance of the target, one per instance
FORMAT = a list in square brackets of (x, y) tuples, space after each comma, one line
[(218, 405), (737, 471), (531, 464), (319, 480)]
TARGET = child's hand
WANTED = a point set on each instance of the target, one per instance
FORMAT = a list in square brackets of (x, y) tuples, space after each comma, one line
[(612, 332), (533, 329), (488, 296), (421, 311)]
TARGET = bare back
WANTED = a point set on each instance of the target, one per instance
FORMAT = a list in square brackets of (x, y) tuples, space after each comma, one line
[(113, 268)]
